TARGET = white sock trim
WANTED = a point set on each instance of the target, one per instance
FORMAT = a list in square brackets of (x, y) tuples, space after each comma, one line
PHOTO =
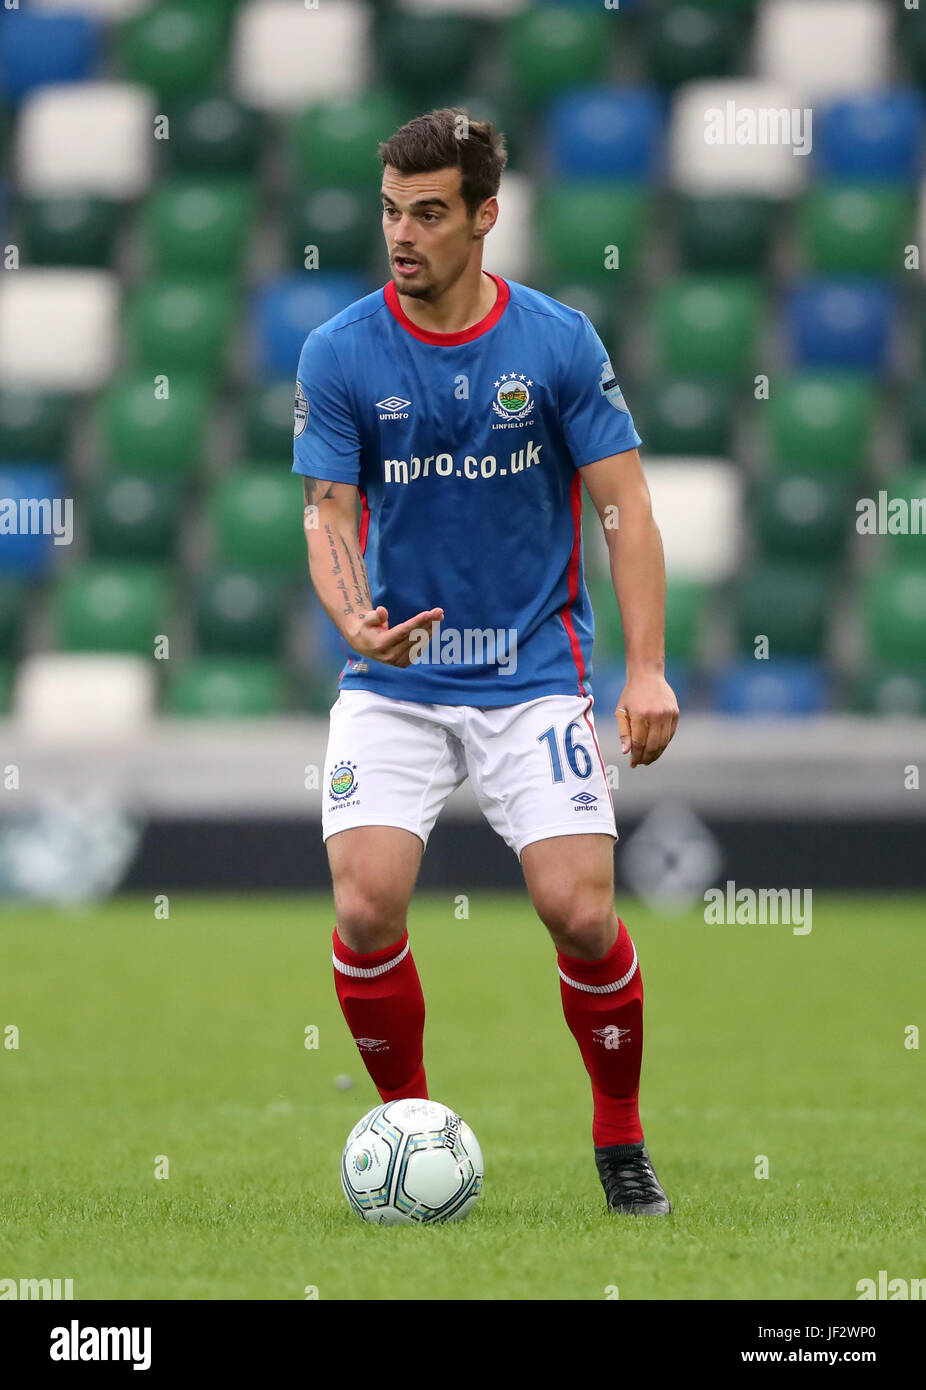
[(367, 972), (603, 989)]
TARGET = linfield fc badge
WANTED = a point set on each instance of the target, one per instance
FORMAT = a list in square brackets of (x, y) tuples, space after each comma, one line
[(513, 399), (343, 781), (607, 385), (300, 411)]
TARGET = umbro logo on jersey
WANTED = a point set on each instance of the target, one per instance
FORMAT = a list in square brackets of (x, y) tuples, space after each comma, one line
[(394, 407)]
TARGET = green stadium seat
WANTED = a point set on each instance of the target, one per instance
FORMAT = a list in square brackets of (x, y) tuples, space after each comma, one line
[(213, 135), (727, 233), (338, 223), (857, 229), (335, 142), (685, 416), (175, 47), (75, 230), (707, 324), (199, 226), (685, 603), (803, 516), (683, 42), (268, 421), (422, 54), (7, 670), (787, 603), (915, 416), (609, 631), (820, 423), (104, 606), (602, 304), (893, 691), (211, 687), (14, 597), (239, 612), (141, 431), (578, 221), (133, 516), (181, 324), (894, 605), (551, 48), (33, 425), (906, 545), (257, 517)]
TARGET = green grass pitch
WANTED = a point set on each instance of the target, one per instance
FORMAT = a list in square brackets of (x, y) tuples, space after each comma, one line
[(185, 1038)]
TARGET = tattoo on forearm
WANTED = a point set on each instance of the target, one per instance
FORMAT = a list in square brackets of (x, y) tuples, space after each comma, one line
[(337, 571), (362, 596), (310, 487)]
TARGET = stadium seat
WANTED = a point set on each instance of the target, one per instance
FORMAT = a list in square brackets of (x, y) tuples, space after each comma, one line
[(71, 230), (6, 687), (510, 248), (181, 324), (697, 505), (686, 600), (609, 632), (288, 307), (891, 692), (33, 425), (803, 516), (876, 137), (771, 689), (334, 142), (707, 160), (591, 231), (605, 134), (268, 421), (13, 600), (424, 54), (857, 229), (601, 303), (546, 49), (905, 540), (911, 41), (788, 604), (142, 431), (285, 55), (820, 423), (257, 516), (237, 611), (199, 226), (103, 606), (108, 696), (894, 606), (58, 329), (823, 47), (724, 233), (37, 49), (707, 324), (212, 136), (133, 516), (915, 415), (685, 416), (29, 550), (214, 687), (683, 42), (337, 223), (840, 323), (89, 137), (174, 48)]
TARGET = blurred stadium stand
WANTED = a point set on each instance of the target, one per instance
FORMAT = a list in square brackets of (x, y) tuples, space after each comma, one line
[(163, 166)]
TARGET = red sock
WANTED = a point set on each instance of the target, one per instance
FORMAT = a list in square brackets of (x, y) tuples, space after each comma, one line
[(380, 996), (603, 1004)]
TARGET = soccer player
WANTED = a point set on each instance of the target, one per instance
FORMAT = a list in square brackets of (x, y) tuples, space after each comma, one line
[(464, 411)]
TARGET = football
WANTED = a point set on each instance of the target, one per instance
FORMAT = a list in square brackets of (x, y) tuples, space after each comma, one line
[(411, 1161)]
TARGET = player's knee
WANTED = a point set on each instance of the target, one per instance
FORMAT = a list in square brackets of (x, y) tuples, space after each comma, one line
[(584, 925), (369, 921)]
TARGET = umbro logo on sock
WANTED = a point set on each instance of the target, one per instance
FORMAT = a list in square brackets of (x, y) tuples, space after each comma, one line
[(612, 1036), (372, 1044)]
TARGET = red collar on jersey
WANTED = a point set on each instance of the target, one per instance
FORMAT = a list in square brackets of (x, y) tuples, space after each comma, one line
[(466, 335)]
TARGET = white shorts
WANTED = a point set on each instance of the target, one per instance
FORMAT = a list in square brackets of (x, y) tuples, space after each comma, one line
[(536, 767)]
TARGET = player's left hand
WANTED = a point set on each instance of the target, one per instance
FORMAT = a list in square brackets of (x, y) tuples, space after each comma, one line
[(647, 716)]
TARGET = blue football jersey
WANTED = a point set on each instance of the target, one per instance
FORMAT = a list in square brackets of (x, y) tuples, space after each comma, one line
[(466, 449)]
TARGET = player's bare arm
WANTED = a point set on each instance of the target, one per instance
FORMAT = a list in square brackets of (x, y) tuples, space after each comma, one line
[(618, 488), (340, 576)]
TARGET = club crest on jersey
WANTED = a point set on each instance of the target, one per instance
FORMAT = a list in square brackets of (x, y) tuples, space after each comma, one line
[(300, 411), (513, 400), (607, 385), (343, 781)]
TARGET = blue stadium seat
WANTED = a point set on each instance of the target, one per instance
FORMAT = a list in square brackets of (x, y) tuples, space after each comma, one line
[(604, 133), (877, 136), (841, 323), (764, 689), (40, 48), (30, 555), (288, 307)]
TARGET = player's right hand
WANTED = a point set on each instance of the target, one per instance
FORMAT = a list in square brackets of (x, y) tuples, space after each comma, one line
[(393, 645)]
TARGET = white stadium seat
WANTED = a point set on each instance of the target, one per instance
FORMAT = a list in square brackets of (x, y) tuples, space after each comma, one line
[(509, 249), (286, 56), (58, 328), (86, 137), (68, 697), (824, 47), (698, 507), (738, 136)]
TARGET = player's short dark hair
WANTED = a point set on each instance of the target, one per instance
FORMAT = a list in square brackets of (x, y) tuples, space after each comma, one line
[(449, 138)]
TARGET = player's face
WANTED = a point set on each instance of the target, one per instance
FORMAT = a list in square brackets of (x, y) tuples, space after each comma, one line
[(425, 223)]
